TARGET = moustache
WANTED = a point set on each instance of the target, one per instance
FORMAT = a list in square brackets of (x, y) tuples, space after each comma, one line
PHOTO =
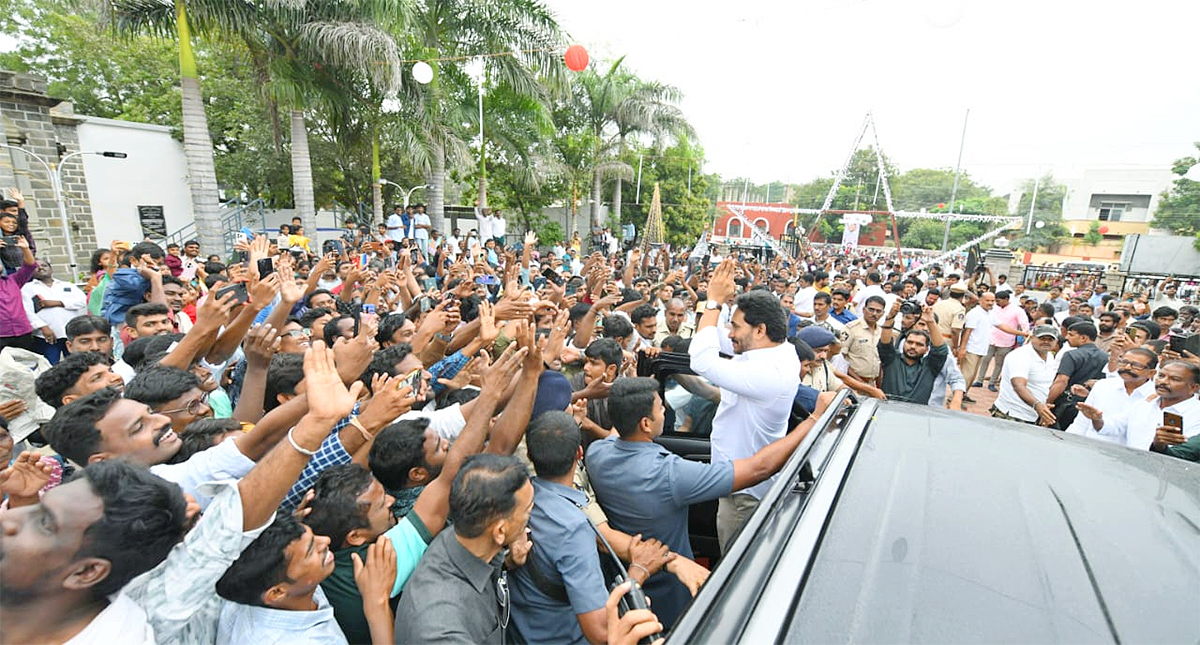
[(1126, 373), (158, 436)]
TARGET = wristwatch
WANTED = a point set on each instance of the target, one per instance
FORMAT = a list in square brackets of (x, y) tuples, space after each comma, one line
[(711, 304)]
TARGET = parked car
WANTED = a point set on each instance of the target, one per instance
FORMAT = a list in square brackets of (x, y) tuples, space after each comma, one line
[(900, 522)]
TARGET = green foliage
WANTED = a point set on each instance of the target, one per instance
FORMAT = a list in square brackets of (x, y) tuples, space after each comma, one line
[(1093, 236), (1179, 209), (686, 212), (1048, 210)]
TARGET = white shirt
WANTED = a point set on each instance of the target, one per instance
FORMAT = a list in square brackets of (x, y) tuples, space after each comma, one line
[(395, 226), (1110, 397), (485, 226), (804, 300), (860, 298), (221, 462), (757, 390), (1136, 424), (421, 218), (1039, 374), (122, 621), (499, 226), (979, 322), (56, 318), (446, 423)]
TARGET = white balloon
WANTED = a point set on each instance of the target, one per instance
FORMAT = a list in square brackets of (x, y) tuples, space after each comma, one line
[(1039, 224), (422, 72)]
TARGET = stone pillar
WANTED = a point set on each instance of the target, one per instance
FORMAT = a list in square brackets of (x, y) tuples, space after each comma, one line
[(30, 121)]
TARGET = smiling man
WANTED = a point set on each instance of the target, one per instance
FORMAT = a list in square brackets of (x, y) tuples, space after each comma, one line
[(76, 376), (1141, 422), (757, 385)]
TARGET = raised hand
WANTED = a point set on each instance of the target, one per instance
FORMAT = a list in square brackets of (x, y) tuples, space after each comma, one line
[(331, 400), (392, 398), (261, 344), (487, 324), (26, 476), (376, 577), (498, 375), (265, 289), (215, 312)]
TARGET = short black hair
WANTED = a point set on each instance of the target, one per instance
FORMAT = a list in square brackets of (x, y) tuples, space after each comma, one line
[(629, 401), (336, 510), (676, 344), (331, 331), (485, 490), (1151, 357), (916, 332), (53, 384), (1084, 329), (1152, 329), (314, 294), (384, 362), (86, 324), (843, 293), (877, 300), (307, 318), (201, 434), (804, 351), (72, 430), (1164, 312), (1192, 369), (142, 351), (398, 449), (1116, 317), (823, 297), (283, 375), (616, 326), (552, 442), (170, 279), (145, 309), (158, 384), (144, 517), (642, 312), (262, 565), (147, 248), (761, 308), (388, 326), (605, 349)]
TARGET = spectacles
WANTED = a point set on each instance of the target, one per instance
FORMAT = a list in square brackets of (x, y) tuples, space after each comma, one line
[(1137, 366), (192, 408), (297, 333)]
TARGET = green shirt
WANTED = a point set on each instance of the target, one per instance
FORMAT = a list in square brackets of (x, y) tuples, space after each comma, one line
[(410, 538), (1189, 450)]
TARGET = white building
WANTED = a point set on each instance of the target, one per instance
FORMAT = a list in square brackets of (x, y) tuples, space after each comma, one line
[(1123, 198), (132, 196)]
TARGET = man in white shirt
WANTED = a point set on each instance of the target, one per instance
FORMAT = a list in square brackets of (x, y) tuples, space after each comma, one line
[(805, 295), (485, 219), (1165, 295), (873, 288), (1175, 388), (976, 336), (1115, 394), (499, 228), (395, 226), (1026, 378), (757, 386), (49, 304), (421, 226)]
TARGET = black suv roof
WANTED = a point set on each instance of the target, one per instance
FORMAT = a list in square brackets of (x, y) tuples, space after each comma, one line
[(906, 523)]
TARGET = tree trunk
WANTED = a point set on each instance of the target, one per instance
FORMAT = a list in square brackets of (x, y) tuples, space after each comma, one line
[(617, 199), (597, 218), (302, 177), (376, 181), (197, 145), (437, 187)]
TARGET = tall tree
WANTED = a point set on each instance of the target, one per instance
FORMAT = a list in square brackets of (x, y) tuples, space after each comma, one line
[(455, 29), (1179, 209), (1047, 210), (179, 19)]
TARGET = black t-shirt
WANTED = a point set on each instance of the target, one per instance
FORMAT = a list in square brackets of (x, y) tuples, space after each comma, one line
[(1083, 364)]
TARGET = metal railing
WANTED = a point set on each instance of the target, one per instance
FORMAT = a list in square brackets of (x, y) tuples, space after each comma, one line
[(233, 218)]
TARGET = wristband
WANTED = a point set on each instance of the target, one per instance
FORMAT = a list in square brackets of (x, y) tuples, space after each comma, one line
[(644, 569), (307, 453), (358, 424), (445, 338)]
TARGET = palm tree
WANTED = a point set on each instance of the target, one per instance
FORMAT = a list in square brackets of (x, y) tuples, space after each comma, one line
[(331, 52), (451, 28), (644, 107), (178, 19)]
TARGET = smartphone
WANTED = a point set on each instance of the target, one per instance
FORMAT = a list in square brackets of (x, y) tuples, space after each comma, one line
[(265, 268), (10, 240), (368, 308), (426, 304), (487, 280), (553, 276), (413, 380), (1173, 420), (238, 289)]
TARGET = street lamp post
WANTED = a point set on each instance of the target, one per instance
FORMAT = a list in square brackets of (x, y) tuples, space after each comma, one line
[(407, 194), (54, 171)]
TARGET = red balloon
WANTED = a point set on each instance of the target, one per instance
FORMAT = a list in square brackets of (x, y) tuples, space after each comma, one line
[(576, 58), (1103, 230)]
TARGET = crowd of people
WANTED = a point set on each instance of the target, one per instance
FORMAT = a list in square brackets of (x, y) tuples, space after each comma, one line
[(409, 436)]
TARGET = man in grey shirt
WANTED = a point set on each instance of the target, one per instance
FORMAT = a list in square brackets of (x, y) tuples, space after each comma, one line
[(459, 592)]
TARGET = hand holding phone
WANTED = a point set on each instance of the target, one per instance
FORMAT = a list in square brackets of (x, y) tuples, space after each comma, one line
[(1173, 420)]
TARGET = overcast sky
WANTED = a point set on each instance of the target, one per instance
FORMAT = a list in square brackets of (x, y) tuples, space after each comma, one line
[(777, 89)]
